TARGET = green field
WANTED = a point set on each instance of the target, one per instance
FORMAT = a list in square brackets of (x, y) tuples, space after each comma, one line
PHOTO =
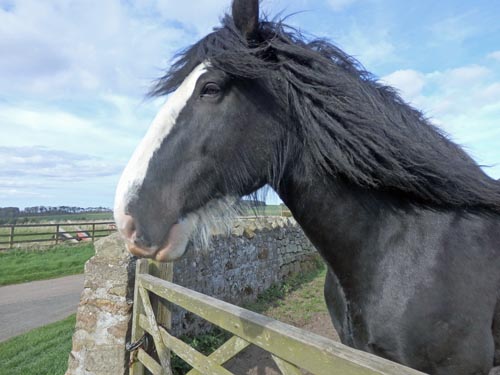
[(85, 216), (42, 351), (269, 210), (296, 300), (18, 266), (26, 234)]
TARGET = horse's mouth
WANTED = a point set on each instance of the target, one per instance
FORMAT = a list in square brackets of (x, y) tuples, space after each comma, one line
[(216, 216), (173, 248)]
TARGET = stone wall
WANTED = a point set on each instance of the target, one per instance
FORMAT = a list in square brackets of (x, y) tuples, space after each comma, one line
[(260, 252)]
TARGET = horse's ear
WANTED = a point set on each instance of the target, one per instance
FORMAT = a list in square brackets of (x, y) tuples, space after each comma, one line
[(246, 16)]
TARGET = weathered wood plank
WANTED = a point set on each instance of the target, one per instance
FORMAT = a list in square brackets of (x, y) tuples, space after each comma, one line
[(148, 361), (285, 367), (194, 358), (161, 307), (141, 267), (161, 349), (227, 351), (309, 351)]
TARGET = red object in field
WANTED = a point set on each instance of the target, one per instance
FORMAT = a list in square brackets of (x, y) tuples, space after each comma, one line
[(82, 236)]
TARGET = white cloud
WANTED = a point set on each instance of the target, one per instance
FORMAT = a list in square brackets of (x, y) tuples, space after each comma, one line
[(59, 47), (464, 101), (371, 47), (41, 162), (73, 79), (456, 28), (463, 76), (339, 5), (409, 83), (40, 175), (200, 18), (110, 124), (495, 55)]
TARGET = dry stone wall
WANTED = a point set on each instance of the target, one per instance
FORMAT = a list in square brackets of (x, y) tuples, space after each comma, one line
[(259, 253)]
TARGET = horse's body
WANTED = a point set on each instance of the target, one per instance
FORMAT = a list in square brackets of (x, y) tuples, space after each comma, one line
[(407, 223), (420, 287)]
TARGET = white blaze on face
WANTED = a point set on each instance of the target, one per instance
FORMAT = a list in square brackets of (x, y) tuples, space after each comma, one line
[(135, 171)]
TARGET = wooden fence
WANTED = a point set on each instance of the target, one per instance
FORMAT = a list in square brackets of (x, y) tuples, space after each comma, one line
[(12, 235), (291, 348)]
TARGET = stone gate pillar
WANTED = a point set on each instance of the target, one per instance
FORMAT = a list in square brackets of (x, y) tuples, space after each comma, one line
[(104, 313)]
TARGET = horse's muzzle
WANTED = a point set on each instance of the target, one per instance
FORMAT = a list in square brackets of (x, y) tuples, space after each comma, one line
[(136, 245)]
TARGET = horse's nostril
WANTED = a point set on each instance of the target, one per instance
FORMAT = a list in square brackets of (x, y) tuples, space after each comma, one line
[(133, 234)]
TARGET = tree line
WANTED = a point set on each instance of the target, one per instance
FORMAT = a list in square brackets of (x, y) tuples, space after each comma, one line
[(12, 215)]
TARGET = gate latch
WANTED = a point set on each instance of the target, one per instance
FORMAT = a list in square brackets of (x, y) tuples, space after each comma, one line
[(132, 347), (141, 343)]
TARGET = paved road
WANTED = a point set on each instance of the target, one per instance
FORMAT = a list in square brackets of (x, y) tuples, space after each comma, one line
[(31, 305)]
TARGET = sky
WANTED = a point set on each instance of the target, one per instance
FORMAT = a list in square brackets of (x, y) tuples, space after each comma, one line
[(74, 74)]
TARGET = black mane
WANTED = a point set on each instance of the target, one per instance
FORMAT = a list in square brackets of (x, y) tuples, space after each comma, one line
[(352, 126)]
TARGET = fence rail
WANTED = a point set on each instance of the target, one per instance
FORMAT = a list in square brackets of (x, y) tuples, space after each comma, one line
[(12, 235), (291, 348)]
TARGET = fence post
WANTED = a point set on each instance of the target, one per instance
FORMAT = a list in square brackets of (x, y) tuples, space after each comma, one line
[(57, 234), (11, 238), (161, 307), (142, 266), (93, 232)]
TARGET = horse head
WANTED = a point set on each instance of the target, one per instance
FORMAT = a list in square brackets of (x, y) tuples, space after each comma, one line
[(211, 140)]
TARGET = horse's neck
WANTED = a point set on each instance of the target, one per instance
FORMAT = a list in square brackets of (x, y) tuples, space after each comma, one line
[(339, 219)]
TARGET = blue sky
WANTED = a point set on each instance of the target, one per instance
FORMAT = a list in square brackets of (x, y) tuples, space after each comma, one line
[(73, 75)]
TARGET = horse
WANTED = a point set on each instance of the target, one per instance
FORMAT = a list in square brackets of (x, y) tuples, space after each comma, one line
[(406, 221)]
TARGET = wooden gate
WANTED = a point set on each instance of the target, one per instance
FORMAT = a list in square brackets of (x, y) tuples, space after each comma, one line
[(291, 348)]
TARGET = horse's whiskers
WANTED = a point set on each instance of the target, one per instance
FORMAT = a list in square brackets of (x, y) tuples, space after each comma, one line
[(216, 217)]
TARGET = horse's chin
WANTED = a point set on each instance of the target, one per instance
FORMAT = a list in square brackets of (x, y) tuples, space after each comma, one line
[(174, 248)]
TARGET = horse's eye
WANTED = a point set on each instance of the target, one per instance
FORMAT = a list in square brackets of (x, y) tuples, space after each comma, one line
[(211, 89)]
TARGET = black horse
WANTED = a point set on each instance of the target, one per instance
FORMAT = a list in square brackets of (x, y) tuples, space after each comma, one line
[(406, 221)]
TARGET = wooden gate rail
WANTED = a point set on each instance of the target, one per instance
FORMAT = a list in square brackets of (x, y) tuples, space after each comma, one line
[(292, 348)]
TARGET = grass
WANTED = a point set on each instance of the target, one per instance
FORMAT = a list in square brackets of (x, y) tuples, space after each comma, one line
[(42, 351), (268, 210), (296, 300), (18, 266), (87, 216)]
